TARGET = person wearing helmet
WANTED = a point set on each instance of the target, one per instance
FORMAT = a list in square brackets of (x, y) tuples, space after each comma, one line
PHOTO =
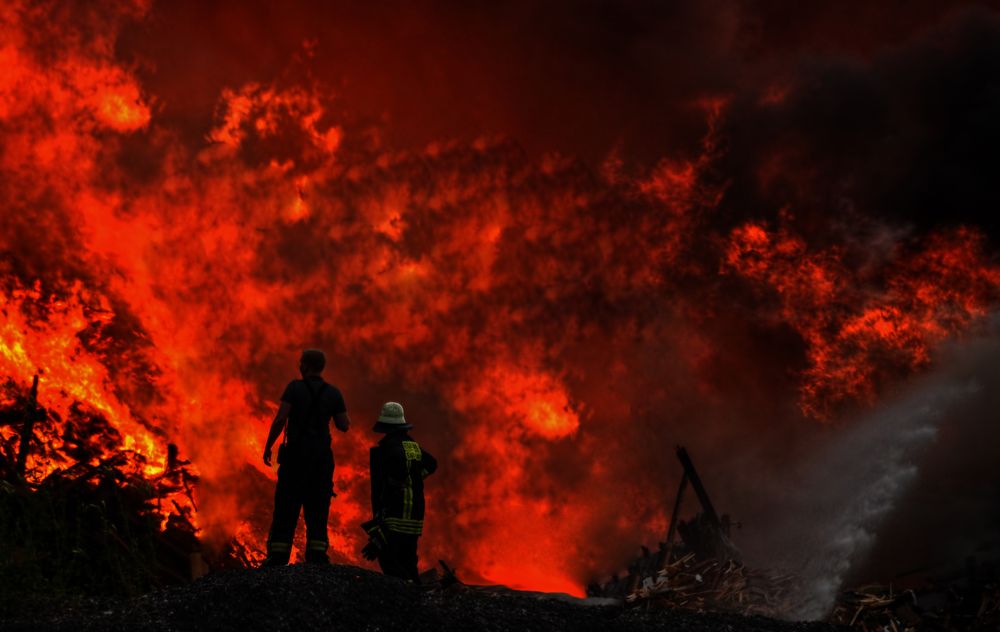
[(305, 472), (398, 469)]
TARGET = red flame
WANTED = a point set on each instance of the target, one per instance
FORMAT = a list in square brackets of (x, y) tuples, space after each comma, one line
[(857, 337)]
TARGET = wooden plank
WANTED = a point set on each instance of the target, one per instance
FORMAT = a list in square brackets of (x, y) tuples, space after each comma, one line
[(672, 532)]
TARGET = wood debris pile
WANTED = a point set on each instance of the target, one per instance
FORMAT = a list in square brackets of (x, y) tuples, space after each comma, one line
[(945, 606), (877, 607), (713, 585), (701, 572), (988, 615)]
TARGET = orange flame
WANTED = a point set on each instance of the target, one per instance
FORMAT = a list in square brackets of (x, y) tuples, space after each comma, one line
[(858, 338)]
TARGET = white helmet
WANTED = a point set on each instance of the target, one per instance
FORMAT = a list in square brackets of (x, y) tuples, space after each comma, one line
[(391, 418)]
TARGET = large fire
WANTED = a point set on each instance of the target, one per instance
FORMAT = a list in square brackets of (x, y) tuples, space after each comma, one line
[(524, 310)]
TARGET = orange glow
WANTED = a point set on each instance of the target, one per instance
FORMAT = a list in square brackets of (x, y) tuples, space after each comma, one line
[(123, 111), (533, 400)]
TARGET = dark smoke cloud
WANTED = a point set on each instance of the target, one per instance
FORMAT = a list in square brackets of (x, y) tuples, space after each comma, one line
[(908, 136), (579, 77), (564, 76)]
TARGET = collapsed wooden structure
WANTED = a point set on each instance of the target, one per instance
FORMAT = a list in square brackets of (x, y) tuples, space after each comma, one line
[(703, 571), (697, 566)]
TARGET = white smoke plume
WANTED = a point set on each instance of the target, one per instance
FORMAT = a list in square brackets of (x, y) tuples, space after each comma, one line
[(878, 470)]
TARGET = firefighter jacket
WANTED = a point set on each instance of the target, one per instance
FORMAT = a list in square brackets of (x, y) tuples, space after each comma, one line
[(398, 469)]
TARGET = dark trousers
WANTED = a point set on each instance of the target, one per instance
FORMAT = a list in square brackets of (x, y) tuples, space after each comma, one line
[(305, 482), (399, 557)]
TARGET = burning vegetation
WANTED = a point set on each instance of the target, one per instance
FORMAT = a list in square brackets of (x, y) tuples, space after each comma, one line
[(555, 322)]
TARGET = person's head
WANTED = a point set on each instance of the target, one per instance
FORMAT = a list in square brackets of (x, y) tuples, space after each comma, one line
[(312, 362), (391, 419)]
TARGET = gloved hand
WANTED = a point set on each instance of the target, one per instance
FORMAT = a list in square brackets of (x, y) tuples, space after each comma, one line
[(370, 551), (376, 539)]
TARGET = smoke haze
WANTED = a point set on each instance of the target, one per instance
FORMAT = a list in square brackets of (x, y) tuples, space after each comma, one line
[(910, 487)]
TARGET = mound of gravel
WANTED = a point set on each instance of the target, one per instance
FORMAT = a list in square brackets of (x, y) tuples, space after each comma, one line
[(335, 597)]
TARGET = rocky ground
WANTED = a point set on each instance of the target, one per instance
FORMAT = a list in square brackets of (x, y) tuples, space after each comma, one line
[(348, 598)]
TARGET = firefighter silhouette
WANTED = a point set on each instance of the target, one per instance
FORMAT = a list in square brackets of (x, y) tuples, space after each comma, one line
[(398, 468), (305, 460)]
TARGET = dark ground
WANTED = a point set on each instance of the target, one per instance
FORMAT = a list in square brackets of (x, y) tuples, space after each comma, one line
[(348, 598)]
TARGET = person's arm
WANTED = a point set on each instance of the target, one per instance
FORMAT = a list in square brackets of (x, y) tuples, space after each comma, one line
[(428, 464), (276, 427), (342, 421), (340, 418)]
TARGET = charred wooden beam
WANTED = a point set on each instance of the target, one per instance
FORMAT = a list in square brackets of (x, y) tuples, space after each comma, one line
[(27, 429), (450, 577), (706, 534), (699, 489), (672, 531)]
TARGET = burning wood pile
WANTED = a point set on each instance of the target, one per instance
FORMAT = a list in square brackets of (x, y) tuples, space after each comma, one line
[(78, 511)]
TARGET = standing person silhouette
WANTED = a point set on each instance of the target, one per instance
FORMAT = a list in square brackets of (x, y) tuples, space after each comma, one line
[(399, 466), (305, 459)]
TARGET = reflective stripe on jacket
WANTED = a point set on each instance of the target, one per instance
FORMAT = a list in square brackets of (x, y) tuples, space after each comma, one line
[(399, 467)]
